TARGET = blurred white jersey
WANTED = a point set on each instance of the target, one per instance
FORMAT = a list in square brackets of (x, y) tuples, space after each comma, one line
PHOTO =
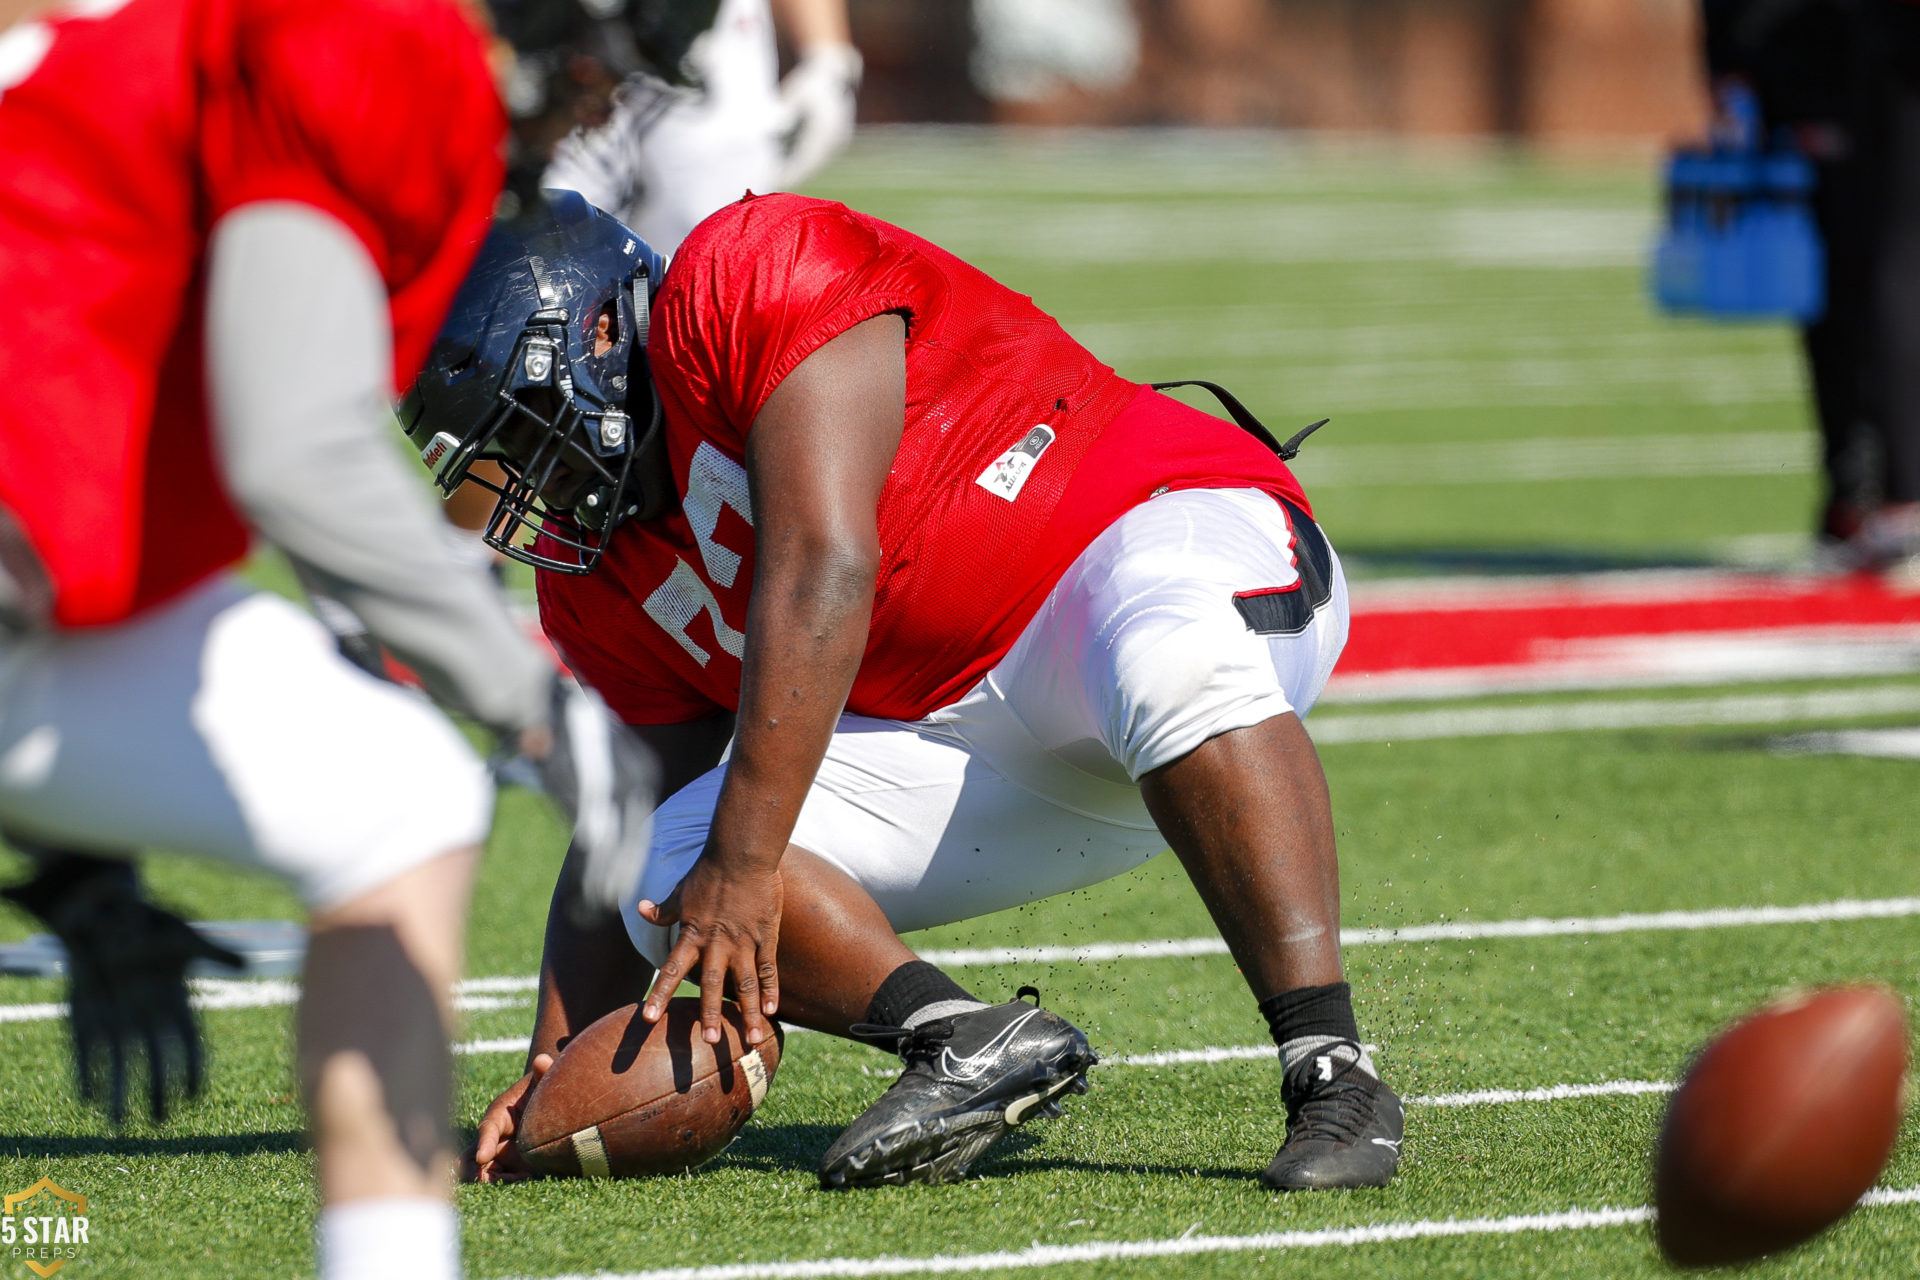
[(669, 157)]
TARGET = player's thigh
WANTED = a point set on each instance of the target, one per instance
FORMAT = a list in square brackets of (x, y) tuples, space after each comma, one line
[(226, 724), (1194, 614), (919, 821)]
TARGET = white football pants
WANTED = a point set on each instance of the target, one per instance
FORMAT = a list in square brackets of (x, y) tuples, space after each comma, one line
[(1027, 786), (225, 723)]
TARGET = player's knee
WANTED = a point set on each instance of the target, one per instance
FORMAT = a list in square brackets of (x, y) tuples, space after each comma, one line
[(1191, 684)]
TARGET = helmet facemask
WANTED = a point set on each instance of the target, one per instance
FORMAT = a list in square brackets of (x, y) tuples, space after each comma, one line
[(541, 369), (567, 454)]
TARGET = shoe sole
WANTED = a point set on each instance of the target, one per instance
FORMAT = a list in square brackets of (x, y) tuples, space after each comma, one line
[(956, 1141), (1344, 1180)]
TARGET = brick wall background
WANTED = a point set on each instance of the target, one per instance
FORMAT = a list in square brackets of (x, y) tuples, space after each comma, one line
[(1546, 70)]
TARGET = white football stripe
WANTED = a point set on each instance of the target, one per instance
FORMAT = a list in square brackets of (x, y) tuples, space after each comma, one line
[(757, 1076), (1054, 1255), (591, 1153)]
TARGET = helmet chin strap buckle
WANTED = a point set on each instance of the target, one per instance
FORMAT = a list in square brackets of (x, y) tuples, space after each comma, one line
[(613, 429)]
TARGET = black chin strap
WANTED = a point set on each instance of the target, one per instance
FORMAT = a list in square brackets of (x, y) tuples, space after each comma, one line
[(1248, 423)]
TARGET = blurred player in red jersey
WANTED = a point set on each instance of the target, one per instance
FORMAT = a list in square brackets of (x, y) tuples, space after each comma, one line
[(984, 622), (228, 231)]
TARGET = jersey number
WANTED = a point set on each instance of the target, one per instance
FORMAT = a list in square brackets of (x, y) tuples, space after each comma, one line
[(714, 481)]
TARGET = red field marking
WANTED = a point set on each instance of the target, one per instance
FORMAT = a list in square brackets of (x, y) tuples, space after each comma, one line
[(1453, 625)]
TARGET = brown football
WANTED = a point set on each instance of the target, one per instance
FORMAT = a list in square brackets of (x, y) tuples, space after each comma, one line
[(627, 1098), (1781, 1124)]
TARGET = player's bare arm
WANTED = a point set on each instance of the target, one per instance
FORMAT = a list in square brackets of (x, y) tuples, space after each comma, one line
[(586, 969), (818, 455)]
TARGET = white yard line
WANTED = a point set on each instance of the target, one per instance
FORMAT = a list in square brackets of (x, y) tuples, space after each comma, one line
[(501, 991), (1613, 713), (1552, 1093), (1642, 922), (32, 1012), (230, 993), (1265, 1053), (1533, 927), (1197, 1057), (1054, 1255), (504, 1044), (1158, 949)]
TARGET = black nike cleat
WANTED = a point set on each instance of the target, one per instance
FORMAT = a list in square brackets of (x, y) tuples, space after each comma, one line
[(1343, 1125), (968, 1080)]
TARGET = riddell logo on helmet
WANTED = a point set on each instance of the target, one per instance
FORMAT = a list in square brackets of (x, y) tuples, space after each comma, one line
[(44, 1227), (440, 453)]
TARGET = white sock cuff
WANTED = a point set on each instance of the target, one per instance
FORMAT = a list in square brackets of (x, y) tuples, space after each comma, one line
[(943, 1009), (1298, 1050), (397, 1238)]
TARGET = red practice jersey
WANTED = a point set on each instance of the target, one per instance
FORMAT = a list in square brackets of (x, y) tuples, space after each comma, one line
[(126, 131), (1019, 449)]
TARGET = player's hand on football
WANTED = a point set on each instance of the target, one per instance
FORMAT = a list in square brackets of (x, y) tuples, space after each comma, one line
[(494, 1155), (127, 963), (729, 930), (607, 781)]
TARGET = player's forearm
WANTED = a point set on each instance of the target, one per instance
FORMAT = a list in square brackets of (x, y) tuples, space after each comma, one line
[(806, 633), (298, 368), (586, 971)]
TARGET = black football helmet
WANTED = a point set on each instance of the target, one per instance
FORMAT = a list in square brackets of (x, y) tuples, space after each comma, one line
[(540, 359)]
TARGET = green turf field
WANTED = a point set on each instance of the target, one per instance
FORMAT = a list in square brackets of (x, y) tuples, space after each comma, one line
[(1502, 400)]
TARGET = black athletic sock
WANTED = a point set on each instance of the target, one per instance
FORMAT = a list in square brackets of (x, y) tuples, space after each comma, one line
[(1311, 1011), (915, 992)]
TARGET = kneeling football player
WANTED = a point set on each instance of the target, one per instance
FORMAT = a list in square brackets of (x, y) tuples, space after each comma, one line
[(982, 620)]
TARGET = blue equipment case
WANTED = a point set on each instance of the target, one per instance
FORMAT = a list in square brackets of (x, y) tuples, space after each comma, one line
[(1740, 241)]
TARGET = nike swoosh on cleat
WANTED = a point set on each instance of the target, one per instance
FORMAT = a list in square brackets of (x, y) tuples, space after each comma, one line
[(1387, 1142), (980, 1059)]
